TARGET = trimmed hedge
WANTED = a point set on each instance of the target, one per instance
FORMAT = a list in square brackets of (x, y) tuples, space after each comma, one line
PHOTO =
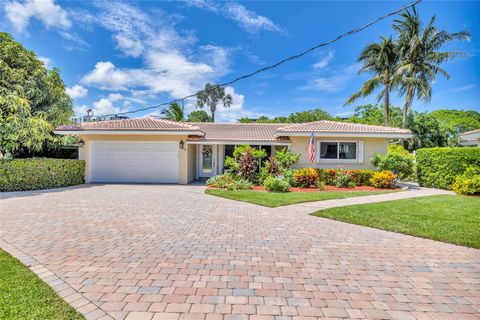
[(438, 167), (40, 173)]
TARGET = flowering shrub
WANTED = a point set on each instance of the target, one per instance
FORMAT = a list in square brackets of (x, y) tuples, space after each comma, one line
[(344, 180), (383, 179), (469, 182), (305, 177), (397, 159), (276, 185), (240, 185), (221, 181)]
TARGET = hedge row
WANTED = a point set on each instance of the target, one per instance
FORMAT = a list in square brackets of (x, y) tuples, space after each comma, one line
[(40, 173), (438, 167)]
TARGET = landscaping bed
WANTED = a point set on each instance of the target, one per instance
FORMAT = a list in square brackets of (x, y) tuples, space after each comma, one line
[(330, 189)]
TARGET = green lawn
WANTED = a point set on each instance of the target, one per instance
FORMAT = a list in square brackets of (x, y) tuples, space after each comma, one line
[(453, 219), (275, 199), (24, 296)]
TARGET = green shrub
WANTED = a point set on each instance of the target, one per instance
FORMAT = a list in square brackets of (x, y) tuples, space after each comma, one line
[(276, 185), (438, 167), (384, 179), (240, 185), (397, 159), (305, 177), (320, 185), (285, 158), (344, 180), (328, 176), (40, 173), (469, 182), (361, 177), (221, 181), (288, 176)]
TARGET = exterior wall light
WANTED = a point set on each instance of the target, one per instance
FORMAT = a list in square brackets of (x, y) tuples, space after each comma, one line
[(182, 144), (81, 144)]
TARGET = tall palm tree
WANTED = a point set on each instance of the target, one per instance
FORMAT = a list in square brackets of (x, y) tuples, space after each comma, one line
[(210, 96), (380, 59), (420, 58), (174, 112)]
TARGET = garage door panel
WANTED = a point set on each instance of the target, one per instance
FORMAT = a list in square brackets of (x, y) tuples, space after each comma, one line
[(136, 162)]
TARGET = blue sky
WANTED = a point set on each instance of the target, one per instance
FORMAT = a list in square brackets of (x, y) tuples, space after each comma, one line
[(119, 56)]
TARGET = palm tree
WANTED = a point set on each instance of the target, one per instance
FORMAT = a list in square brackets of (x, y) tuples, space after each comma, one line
[(420, 58), (380, 59), (211, 95), (174, 112)]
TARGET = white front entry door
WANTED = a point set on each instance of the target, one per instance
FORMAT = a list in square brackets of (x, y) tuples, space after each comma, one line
[(133, 162), (207, 160)]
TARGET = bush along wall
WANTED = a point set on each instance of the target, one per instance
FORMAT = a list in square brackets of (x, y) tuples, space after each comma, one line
[(438, 167), (40, 173)]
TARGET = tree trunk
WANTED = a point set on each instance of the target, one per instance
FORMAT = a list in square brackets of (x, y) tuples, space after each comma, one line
[(407, 105), (387, 104)]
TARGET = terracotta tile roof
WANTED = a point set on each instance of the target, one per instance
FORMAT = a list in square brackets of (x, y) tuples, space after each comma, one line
[(138, 124), (340, 127), (470, 132), (239, 132)]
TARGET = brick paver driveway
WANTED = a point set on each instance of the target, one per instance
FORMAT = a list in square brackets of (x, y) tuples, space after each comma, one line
[(170, 252)]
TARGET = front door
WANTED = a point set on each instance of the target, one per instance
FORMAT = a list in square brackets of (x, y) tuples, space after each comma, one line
[(207, 155)]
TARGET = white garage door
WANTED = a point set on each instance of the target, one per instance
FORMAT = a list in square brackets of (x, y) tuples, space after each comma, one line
[(135, 162)]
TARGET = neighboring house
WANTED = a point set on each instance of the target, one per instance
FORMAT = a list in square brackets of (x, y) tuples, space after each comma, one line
[(470, 138), (148, 150)]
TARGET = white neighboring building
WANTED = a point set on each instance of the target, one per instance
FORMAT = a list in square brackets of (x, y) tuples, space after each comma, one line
[(470, 138)]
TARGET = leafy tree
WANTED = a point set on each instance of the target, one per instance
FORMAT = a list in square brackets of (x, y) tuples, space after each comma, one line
[(420, 58), (199, 116), (18, 128), (33, 99), (381, 60), (427, 131), (210, 96), (374, 114), (174, 112), (296, 117)]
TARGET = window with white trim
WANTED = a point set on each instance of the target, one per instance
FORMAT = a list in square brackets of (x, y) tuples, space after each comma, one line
[(338, 150)]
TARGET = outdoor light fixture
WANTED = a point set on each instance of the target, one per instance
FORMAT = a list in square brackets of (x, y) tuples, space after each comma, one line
[(182, 144), (81, 143)]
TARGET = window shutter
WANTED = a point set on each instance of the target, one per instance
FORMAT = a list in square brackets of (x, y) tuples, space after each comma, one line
[(360, 151)]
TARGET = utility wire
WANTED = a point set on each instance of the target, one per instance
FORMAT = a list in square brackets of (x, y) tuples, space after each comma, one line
[(270, 67)]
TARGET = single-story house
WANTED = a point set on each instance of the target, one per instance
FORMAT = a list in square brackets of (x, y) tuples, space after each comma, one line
[(470, 138), (151, 150)]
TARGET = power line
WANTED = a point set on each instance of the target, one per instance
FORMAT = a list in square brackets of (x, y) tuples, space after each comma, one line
[(272, 66)]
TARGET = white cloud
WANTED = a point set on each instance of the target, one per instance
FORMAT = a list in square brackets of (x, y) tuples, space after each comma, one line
[(103, 106), (47, 62), (247, 19), (170, 63), (47, 12), (464, 88), (322, 63), (334, 79), (77, 91)]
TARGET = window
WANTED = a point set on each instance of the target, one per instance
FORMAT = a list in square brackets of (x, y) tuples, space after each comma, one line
[(338, 150)]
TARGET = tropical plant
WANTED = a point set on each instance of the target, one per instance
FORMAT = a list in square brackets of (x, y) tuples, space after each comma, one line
[(247, 165), (174, 112), (420, 59), (380, 59), (305, 177), (344, 180), (210, 96), (469, 182), (272, 166), (286, 159), (240, 185), (275, 184), (199, 116), (397, 159), (221, 181), (383, 179), (33, 99)]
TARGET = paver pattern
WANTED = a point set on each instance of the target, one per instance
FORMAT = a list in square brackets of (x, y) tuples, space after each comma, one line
[(172, 252)]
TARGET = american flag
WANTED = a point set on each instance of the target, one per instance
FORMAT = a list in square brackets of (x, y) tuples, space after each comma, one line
[(311, 149)]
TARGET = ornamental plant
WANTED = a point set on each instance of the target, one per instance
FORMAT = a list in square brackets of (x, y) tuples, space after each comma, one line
[(469, 182), (344, 180), (275, 184), (305, 177), (397, 160), (384, 179), (286, 159)]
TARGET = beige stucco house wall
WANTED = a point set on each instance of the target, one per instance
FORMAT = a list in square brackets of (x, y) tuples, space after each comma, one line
[(186, 155), (370, 146)]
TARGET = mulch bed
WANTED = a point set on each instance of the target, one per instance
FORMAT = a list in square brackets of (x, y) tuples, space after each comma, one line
[(327, 189)]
